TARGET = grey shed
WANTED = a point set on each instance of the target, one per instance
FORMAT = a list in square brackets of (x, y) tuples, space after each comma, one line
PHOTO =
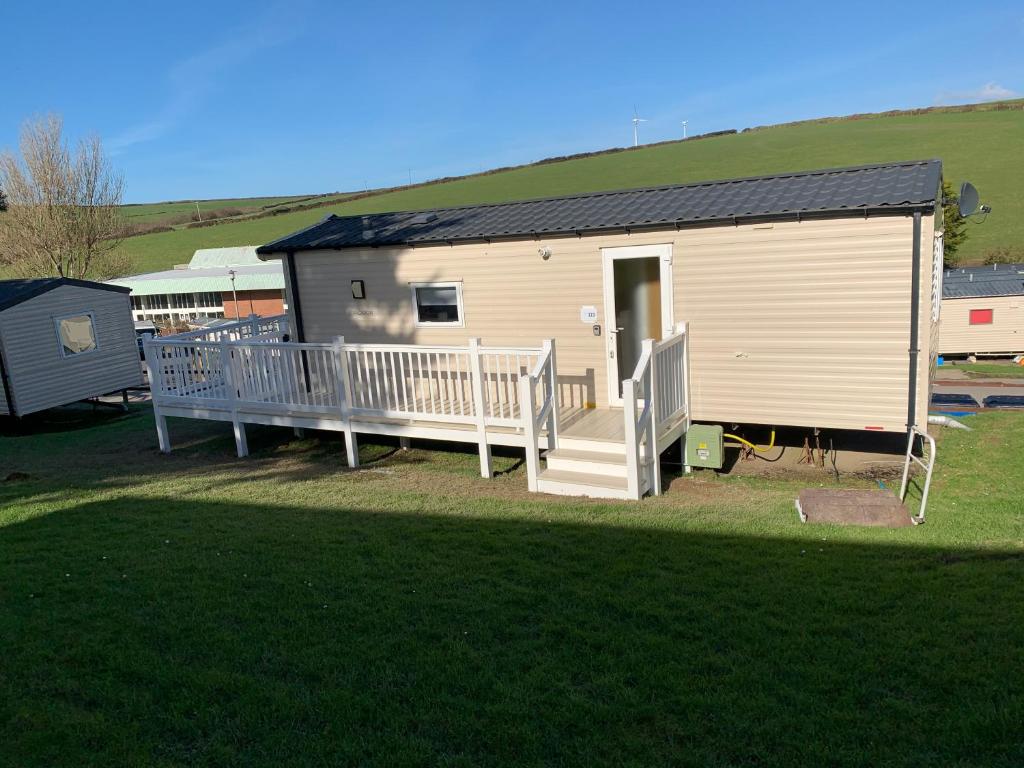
[(64, 340)]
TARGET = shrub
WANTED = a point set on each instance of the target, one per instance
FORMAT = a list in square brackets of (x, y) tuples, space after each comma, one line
[(953, 224), (1005, 254), (216, 213)]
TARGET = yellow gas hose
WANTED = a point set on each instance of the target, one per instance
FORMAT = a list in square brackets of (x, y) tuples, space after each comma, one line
[(747, 442)]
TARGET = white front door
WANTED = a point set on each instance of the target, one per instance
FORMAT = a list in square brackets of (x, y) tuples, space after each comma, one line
[(637, 306)]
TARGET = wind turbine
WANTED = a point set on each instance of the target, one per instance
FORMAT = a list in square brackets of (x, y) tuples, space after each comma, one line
[(684, 128), (636, 122)]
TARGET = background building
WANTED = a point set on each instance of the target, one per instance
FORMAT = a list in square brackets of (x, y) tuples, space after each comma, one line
[(983, 311), (63, 340), (217, 282)]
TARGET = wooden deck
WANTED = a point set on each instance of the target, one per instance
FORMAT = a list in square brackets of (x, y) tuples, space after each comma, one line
[(473, 394), (605, 424)]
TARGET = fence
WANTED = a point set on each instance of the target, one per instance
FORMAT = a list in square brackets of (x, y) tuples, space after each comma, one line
[(252, 327), (260, 374)]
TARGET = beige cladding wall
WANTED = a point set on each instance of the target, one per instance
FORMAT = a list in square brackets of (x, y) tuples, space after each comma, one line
[(512, 298), (799, 323), (1005, 334), (804, 324)]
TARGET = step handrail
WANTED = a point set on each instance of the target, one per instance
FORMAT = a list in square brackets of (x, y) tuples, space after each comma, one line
[(544, 374), (639, 425), (655, 399)]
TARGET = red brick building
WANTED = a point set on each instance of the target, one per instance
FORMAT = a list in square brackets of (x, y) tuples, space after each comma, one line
[(217, 282)]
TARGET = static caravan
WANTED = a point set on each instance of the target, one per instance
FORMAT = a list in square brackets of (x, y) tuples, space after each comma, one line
[(798, 289), (598, 327), (64, 340), (983, 311)]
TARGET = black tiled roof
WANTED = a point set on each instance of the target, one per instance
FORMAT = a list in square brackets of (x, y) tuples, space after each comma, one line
[(869, 188), (16, 291), (968, 282)]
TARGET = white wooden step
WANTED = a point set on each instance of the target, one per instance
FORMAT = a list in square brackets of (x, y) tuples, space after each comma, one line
[(607, 447), (587, 462), (565, 483), (593, 445)]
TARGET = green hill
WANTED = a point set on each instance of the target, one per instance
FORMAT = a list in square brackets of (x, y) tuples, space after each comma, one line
[(179, 214), (171, 212), (981, 145)]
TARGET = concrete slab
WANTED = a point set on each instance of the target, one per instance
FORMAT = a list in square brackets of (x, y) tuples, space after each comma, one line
[(878, 508)]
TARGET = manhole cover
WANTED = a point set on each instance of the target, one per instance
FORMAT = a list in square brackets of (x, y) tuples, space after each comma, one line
[(852, 507)]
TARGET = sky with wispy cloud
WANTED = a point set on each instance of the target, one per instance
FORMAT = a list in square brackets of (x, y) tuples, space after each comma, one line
[(220, 99)]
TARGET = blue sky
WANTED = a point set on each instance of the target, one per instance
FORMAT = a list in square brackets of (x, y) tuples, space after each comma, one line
[(243, 99)]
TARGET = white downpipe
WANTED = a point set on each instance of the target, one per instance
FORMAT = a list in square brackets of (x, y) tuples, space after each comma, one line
[(946, 421)]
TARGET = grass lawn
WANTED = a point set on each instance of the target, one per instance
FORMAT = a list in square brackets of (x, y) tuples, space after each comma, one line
[(990, 370), (976, 146), (197, 609)]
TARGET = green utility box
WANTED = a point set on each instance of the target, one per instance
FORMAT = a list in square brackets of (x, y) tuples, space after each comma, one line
[(704, 446)]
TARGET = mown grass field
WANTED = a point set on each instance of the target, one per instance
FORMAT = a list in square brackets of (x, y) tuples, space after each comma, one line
[(979, 146), (157, 213), (195, 609)]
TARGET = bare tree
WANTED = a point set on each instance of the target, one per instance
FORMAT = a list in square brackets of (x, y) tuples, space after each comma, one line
[(64, 214)]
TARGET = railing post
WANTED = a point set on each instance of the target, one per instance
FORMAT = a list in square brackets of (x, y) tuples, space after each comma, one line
[(254, 324), (632, 447), (651, 394), (155, 372), (553, 424), (480, 408), (685, 330), (344, 398), (527, 405), (227, 370)]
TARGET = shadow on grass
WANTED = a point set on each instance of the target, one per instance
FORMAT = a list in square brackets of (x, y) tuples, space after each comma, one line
[(66, 419), (159, 630), (105, 450)]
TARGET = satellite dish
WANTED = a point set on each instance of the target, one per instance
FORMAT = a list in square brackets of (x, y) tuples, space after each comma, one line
[(968, 199)]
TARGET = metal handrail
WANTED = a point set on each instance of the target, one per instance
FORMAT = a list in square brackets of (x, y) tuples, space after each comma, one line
[(927, 466)]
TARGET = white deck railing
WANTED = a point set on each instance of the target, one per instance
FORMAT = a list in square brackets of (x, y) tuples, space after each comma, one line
[(267, 373), (260, 374), (291, 377), (437, 383), (655, 407), (670, 378), (252, 327)]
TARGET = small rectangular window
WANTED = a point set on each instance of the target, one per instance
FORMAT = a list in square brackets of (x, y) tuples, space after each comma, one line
[(77, 334), (981, 317), (438, 303)]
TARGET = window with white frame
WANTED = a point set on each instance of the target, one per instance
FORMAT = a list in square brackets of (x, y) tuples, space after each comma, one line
[(437, 303), (77, 334)]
